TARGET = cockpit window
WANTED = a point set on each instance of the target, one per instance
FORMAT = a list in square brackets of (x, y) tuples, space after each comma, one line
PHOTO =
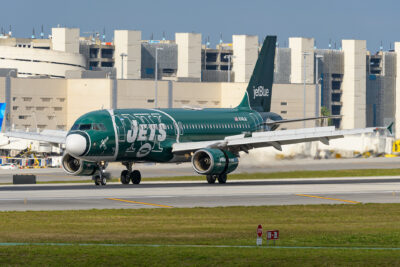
[(84, 127), (102, 127), (89, 126), (96, 127)]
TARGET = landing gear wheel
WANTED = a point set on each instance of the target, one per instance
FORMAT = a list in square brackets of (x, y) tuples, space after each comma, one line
[(136, 177), (222, 178), (211, 179), (96, 179), (103, 180), (125, 177)]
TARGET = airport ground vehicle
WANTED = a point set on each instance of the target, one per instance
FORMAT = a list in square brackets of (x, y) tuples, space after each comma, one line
[(8, 166)]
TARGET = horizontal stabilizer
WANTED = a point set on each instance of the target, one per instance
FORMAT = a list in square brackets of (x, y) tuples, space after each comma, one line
[(272, 122)]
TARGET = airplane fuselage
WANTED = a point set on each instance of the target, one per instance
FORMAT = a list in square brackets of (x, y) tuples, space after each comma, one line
[(147, 135)]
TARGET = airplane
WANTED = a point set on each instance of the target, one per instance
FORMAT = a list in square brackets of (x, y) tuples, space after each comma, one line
[(211, 138)]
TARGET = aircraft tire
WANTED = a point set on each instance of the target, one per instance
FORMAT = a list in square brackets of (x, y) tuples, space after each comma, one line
[(211, 179), (103, 180), (136, 177), (96, 179), (222, 178), (125, 177)]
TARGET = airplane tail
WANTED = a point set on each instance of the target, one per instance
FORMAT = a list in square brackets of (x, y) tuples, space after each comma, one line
[(259, 90), (2, 113)]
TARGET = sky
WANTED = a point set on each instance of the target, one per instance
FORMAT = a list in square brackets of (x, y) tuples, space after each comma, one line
[(325, 21)]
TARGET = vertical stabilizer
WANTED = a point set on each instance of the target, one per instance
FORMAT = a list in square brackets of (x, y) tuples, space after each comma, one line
[(259, 90)]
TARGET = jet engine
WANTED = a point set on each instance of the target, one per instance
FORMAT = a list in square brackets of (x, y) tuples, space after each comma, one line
[(214, 161), (76, 166)]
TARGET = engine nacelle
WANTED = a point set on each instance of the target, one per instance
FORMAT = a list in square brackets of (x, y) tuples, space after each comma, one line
[(214, 161), (76, 166)]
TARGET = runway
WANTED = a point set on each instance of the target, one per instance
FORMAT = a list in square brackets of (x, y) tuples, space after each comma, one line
[(200, 194), (185, 169)]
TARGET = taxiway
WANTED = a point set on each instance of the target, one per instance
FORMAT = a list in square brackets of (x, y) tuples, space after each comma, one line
[(200, 194)]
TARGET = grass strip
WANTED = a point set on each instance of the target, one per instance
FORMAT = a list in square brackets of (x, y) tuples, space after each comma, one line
[(359, 225), (344, 234), (178, 256)]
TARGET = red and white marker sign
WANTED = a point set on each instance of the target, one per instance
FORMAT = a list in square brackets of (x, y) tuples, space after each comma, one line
[(259, 230), (273, 235), (259, 235)]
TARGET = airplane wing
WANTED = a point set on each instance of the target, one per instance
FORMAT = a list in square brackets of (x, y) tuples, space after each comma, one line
[(50, 136), (275, 139)]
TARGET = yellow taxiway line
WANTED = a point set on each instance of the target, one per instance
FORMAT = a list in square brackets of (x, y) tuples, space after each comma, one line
[(137, 202), (337, 199)]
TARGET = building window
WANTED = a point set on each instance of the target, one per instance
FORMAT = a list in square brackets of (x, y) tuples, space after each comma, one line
[(57, 108), (283, 112), (27, 99), (283, 103), (45, 99)]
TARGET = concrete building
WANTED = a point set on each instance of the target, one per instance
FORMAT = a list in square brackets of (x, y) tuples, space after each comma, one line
[(245, 54), (43, 58), (189, 56), (127, 54), (302, 59), (354, 84)]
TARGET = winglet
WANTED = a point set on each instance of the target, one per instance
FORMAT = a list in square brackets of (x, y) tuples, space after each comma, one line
[(390, 128)]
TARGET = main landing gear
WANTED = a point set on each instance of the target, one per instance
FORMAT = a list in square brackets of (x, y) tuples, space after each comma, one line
[(129, 175), (100, 176), (211, 178)]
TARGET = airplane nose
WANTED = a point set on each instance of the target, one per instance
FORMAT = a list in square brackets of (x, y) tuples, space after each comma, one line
[(75, 144)]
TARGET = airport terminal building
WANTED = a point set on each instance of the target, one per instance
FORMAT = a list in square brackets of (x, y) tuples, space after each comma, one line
[(48, 83)]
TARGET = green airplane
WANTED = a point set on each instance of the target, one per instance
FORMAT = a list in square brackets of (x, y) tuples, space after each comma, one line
[(210, 138)]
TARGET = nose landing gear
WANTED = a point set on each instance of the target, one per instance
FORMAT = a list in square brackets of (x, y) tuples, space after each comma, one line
[(100, 177), (129, 175)]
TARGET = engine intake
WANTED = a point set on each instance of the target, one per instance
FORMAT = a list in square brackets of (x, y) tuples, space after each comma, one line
[(214, 161), (76, 166)]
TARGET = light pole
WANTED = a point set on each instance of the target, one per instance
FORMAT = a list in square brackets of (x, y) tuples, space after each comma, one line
[(156, 78), (8, 99), (304, 89), (122, 64), (317, 80), (229, 57)]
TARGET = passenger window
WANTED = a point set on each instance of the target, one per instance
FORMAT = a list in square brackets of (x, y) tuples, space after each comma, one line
[(75, 127)]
